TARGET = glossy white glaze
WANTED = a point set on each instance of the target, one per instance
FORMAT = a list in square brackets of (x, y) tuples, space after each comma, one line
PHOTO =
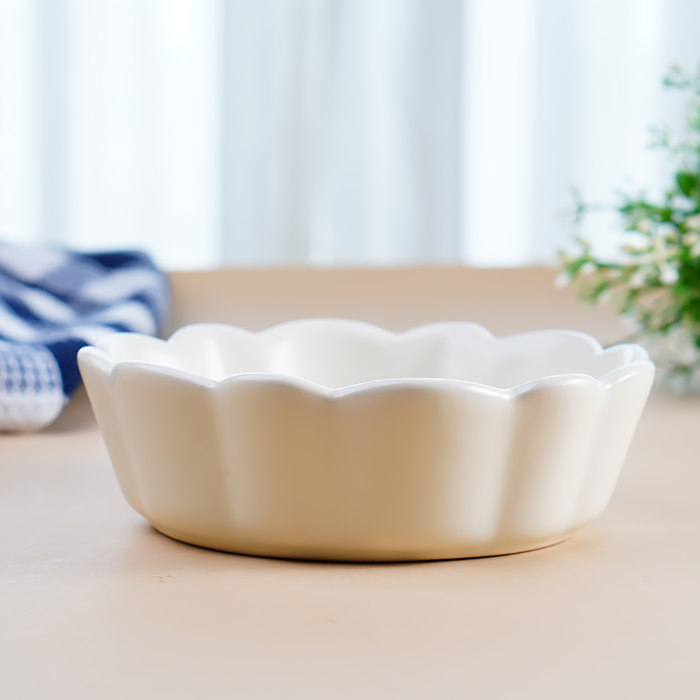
[(335, 439)]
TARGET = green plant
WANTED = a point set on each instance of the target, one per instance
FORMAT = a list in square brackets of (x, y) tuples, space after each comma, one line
[(657, 282)]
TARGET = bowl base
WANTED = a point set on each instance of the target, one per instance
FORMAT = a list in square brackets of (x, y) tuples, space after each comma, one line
[(366, 555)]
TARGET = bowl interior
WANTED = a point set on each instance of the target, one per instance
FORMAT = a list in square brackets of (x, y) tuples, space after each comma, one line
[(339, 353)]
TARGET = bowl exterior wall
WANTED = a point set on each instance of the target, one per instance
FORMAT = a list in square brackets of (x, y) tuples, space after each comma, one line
[(396, 471)]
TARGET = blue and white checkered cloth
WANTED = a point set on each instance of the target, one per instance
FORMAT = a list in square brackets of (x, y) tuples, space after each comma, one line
[(52, 302)]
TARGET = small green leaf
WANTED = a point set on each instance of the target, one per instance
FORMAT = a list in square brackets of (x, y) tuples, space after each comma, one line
[(688, 183)]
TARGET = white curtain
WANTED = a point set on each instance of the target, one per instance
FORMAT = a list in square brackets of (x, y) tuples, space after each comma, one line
[(342, 132)]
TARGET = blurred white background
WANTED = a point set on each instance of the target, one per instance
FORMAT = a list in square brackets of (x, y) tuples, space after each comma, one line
[(338, 132)]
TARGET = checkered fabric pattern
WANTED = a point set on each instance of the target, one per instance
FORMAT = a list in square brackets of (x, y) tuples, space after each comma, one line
[(52, 302)]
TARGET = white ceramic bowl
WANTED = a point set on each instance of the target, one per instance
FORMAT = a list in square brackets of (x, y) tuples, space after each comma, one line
[(335, 439)]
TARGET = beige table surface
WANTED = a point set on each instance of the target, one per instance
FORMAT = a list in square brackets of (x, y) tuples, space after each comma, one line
[(96, 604)]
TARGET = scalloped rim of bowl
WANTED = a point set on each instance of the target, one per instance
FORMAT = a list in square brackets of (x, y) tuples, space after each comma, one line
[(632, 356)]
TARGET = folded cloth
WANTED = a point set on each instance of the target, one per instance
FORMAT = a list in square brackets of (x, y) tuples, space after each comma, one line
[(52, 302)]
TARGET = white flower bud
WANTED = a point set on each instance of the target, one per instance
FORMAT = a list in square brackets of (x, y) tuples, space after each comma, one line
[(562, 280), (588, 268), (644, 226), (637, 279), (669, 275), (693, 222)]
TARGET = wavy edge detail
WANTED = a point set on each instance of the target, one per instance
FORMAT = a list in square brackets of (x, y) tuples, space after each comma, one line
[(639, 361)]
